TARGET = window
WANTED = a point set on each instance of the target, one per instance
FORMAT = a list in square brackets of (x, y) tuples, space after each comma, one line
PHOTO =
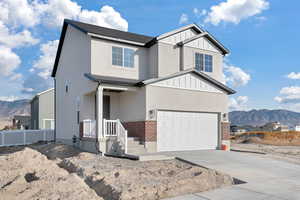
[(117, 56), (48, 123), (128, 58), (203, 62), (199, 61), (123, 57), (208, 63)]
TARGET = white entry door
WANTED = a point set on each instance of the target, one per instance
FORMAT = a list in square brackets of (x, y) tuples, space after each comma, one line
[(178, 131)]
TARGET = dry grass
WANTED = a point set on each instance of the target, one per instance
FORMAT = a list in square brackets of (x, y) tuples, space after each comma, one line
[(273, 138)]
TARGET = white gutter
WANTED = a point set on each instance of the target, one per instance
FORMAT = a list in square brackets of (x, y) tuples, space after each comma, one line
[(115, 39)]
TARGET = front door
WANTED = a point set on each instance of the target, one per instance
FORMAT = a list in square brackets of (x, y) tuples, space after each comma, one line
[(106, 107)]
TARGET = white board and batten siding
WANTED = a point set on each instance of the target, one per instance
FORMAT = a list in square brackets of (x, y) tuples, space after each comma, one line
[(181, 131), (179, 37), (188, 82), (200, 43), (203, 43)]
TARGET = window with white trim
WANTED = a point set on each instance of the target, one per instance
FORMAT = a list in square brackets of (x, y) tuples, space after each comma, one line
[(203, 62), (123, 57), (48, 123)]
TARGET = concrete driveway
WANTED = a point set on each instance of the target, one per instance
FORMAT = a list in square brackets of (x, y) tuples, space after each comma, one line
[(266, 178)]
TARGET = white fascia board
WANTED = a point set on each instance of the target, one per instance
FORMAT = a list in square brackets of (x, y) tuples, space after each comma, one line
[(162, 36), (115, 39)]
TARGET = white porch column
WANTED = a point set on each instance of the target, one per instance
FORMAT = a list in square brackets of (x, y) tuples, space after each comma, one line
[(99, 108)]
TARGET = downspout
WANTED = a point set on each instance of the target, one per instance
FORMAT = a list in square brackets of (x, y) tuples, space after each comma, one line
[(54, 110), (96, 117)]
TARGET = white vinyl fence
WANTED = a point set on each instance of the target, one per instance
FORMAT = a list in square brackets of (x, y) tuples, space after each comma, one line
[(23, 137)]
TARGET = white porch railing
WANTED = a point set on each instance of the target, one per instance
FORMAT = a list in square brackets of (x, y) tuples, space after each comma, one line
[(116, 129), (24, 137), (111, 128), (89, 128)]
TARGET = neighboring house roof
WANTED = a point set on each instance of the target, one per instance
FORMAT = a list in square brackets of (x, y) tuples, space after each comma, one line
[(201, 74), (132, 82), (38, 94), (123, 36)]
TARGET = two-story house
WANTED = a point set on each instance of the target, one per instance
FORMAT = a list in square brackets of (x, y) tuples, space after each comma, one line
[(145, 94)]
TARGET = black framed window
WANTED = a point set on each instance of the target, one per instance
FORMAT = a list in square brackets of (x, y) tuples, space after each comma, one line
[(204, 62)]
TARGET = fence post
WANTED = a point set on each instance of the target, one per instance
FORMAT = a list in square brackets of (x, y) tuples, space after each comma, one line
[(126, 133), (3, 138), (44, 135), (24, 137)]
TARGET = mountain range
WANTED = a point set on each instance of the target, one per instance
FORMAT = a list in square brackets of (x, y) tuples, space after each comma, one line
[(261, 117), (240, 118), (10, 108)]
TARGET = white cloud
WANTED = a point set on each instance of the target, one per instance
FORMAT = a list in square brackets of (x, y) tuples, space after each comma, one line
[(183, 19), (236, 76), (16, 77), (293, 75), (9, 98), (234, 11), (55, 11), (289, 95), (239, 103), (44, 64), (29, 13), (40, 79), (9, 61), (107, 17), (199, 13), (15, 40), (19, 12)]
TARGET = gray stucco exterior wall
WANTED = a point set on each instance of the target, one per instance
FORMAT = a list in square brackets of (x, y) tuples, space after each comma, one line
[(184, 100), (34, 109), (42, 107), (46, 107)]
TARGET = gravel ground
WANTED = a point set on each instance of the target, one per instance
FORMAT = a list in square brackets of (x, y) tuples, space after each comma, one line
[(56, 171), (286, 153)]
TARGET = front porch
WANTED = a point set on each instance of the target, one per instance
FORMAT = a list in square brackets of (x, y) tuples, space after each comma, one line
[(113, 119)]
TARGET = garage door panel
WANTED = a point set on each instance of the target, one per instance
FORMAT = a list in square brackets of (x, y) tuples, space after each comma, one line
[(186, 130)]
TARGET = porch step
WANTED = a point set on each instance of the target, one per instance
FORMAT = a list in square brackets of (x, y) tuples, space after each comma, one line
[(133, 139), (135, 147)]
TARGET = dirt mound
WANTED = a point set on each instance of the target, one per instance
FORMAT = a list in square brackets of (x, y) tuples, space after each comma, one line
[(28, 174), (57, 171), (288, 138), (113, 178)]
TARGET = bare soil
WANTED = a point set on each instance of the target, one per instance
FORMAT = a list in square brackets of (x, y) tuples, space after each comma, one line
[(57, 171), (285, 153), (288, 138)]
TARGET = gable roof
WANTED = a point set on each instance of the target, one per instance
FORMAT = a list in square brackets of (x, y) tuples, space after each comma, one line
[(198, 73), (138, 83), (110, 33), (209, 37), (39, 94), (195, 27), (95, 31), (124, 37)]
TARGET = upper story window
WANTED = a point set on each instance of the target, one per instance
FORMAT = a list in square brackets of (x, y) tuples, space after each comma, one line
[(123, 57), (203, 62)]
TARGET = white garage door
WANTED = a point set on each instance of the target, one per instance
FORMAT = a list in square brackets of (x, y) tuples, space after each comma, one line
[(177, 131)]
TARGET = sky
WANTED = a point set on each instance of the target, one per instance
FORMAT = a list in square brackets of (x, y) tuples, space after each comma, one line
[(263, 65)]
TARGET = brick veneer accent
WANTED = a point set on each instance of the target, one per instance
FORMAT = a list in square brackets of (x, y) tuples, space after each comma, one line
[(145, 130), (225, 130)]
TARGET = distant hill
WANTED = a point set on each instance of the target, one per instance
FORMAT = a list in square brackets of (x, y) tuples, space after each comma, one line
[(261, 117), (10, 108)]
